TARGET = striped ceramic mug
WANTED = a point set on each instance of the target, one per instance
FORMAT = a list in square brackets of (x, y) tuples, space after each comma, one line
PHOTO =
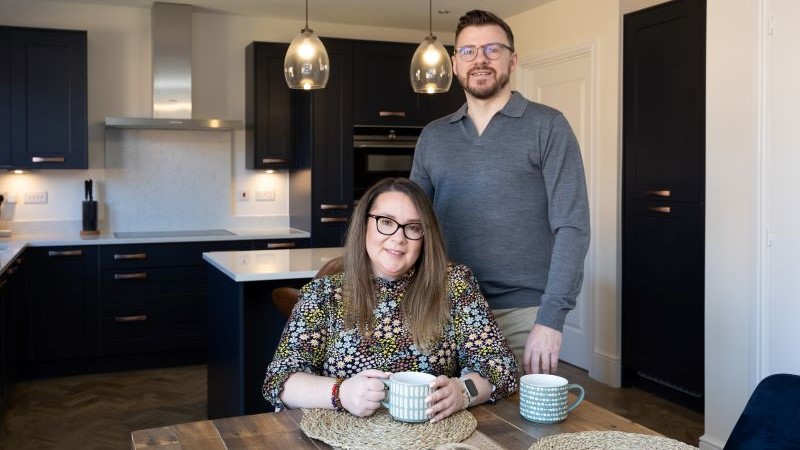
[(405, 399), (543, 397)]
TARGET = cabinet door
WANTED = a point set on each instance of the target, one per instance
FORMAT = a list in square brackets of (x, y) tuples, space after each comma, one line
[(63, 296), (662, 286), (269, 110), (6, 345), (382, 90), (48, 99), (5, 100), (332, 157), (664, 102)]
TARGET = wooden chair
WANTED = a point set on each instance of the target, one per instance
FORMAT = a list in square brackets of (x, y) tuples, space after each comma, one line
[(285, 298)]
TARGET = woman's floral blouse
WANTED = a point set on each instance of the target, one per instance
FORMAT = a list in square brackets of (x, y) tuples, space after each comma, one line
[(316, 342)]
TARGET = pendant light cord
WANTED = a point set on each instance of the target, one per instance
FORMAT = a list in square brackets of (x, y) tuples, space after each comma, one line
[(307, 13), (430, 16)]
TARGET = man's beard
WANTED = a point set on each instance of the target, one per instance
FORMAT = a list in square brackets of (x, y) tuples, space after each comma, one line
[(487, 90)]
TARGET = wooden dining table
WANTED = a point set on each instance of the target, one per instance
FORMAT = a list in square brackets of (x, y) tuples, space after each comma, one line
[(501, 423)]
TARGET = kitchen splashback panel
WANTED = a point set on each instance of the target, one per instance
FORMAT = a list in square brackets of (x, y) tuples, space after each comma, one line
[(168, 180)]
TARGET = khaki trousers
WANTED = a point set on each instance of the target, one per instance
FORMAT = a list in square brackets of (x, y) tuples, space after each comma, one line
[(516, 324)]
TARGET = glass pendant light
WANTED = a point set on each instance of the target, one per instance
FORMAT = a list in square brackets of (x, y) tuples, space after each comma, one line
[(431, 71), (306, 65)]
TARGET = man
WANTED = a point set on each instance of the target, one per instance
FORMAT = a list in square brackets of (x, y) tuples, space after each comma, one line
[(506, 179)]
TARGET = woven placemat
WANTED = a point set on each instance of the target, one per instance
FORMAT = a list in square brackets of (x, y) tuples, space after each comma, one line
[(381, 431), (608, 440)]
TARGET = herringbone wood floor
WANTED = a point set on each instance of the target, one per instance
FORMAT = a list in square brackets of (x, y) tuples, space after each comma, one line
[(99, 411)]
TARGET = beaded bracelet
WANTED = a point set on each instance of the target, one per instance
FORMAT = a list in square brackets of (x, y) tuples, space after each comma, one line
[(335, 400)]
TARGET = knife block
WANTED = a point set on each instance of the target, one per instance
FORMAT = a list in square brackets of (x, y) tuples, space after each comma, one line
[(89, 218)]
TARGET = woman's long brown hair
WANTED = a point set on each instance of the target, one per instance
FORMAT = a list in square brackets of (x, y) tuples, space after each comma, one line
[(424, 306)]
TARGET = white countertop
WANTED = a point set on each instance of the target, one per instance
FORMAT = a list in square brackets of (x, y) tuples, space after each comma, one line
[(261, 265), (11, 247)]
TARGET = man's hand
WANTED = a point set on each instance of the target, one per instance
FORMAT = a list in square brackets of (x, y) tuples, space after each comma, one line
[(541, 350)]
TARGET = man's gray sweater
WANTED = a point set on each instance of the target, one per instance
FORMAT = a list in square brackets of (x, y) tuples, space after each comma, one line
[(512, 203)]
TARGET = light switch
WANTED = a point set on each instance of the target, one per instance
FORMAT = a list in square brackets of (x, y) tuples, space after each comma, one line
[(265, 195)]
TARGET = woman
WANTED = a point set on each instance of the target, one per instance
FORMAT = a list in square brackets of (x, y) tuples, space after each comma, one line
[(398, 305)]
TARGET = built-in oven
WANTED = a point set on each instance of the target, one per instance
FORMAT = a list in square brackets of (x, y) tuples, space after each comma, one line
[(380, 152)]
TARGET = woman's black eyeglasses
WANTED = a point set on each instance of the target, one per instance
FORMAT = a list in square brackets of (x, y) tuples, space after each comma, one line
[(389, 226)]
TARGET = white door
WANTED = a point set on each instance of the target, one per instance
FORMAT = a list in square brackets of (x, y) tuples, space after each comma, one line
[(564, 81)]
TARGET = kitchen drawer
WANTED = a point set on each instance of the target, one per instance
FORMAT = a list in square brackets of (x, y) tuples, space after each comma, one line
[(137, 282), (168, 254), (278, 244), (153, 328)]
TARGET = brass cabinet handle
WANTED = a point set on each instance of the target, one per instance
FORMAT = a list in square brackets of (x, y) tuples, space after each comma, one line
[(333, 219), (56, 253), (659, 192), (130, 255), (140, 318), (660, 209), (274, 160), (326, 207), (130, 276), (391, 113), (274, 245), (44, 159)]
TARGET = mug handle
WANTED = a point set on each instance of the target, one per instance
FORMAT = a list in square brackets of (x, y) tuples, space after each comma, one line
[(384, 402), (575, 387)]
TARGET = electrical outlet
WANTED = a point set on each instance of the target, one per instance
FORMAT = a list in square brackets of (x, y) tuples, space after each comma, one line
[(38, 197), (265, 195), (242, 196)]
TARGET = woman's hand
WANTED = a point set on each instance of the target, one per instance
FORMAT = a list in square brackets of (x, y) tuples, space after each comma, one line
[(362, 393), (448, 398)]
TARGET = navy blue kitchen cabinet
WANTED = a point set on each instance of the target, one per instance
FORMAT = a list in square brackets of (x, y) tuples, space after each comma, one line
[(270, 113), (5, 100), (62, 293), (153, 296), (330, 153), (663, 201), (382, 90), (112, 307), (10, 310), (43, 106), (382, 93)]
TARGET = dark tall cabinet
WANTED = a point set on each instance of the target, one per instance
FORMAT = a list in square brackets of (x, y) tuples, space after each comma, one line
[(663, 200), (322, 189), (43, 103)]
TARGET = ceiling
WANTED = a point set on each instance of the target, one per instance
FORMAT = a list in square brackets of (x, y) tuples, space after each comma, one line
[(408, 14)]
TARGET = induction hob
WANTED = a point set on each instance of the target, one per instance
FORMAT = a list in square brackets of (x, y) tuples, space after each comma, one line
[(170, 234)]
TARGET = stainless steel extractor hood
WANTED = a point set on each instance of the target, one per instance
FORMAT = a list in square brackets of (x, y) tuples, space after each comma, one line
[(172, 76)]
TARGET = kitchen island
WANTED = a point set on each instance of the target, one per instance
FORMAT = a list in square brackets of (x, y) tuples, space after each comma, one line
[(243, 324)]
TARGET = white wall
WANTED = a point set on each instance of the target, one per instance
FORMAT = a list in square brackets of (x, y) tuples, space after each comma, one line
[(732, 145), (119, 59)]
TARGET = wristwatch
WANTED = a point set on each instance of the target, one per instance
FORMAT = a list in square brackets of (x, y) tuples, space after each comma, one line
[(469, 389)]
